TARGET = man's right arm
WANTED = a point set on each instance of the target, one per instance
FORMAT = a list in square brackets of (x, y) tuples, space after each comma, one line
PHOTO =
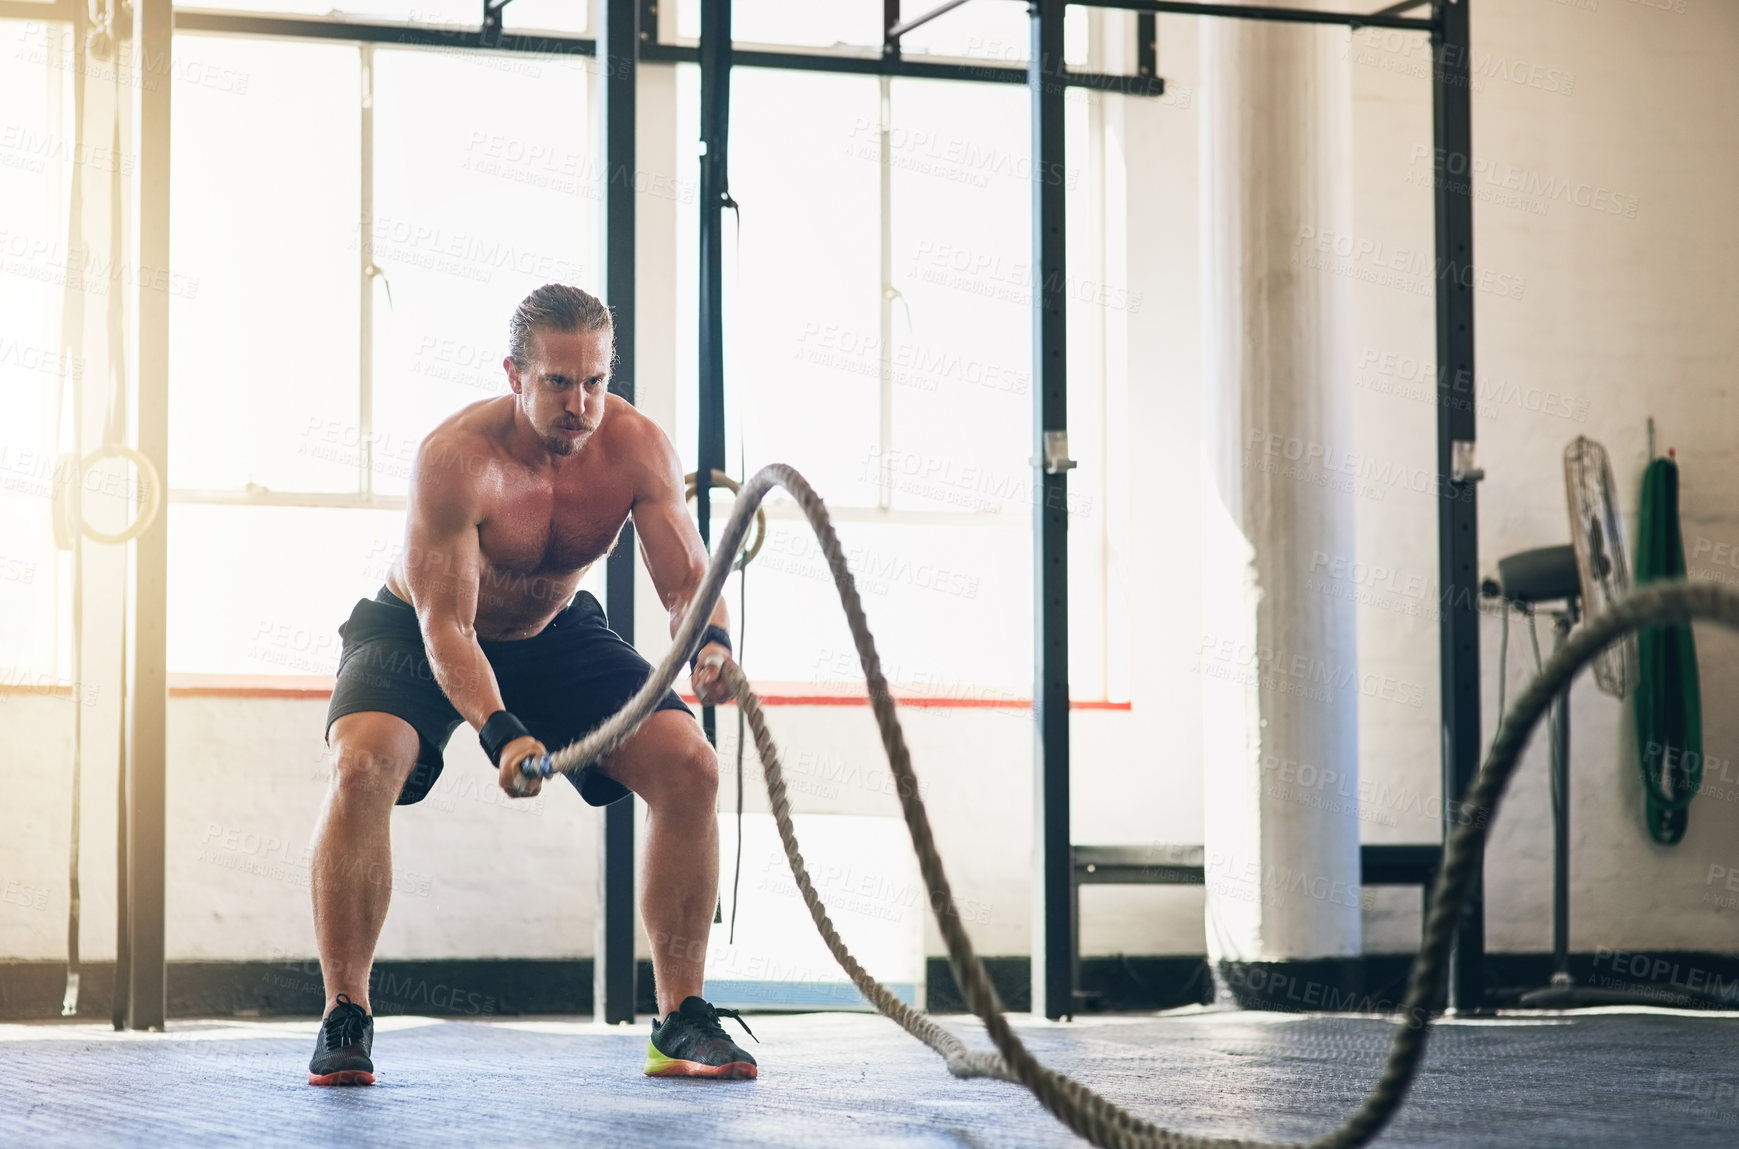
[(443, 560)]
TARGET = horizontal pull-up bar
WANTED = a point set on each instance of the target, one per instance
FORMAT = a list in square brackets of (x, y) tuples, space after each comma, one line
[(1387, 18), (907, 68), (397, 33)]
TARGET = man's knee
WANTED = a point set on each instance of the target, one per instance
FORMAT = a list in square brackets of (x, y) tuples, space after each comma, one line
[(691, 776), (371, 760)]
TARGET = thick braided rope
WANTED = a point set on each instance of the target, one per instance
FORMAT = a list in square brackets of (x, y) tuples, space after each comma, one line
[(1101, 1121), (962, 1062)]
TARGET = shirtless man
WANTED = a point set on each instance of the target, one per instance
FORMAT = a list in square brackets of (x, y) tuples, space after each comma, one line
[(512, 499)]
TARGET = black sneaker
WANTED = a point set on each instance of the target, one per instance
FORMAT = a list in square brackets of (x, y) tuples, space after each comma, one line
[(692, 1043), (342, 1049)]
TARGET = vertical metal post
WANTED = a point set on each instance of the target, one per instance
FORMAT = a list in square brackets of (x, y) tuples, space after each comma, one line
[(1053, 925), (365, 297), (613, 971), (715, 119), (1147, 45), (1458, 513), (118, 1009), (888, 292), (147, 991), (885, 197), (1560, 726)]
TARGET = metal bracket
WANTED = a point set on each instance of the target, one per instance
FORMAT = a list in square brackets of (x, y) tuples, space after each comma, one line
[(1056, 459), (492, 18), (1461, 468)]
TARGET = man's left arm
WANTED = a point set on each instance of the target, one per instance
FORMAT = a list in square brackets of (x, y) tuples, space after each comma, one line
[(674, 554)]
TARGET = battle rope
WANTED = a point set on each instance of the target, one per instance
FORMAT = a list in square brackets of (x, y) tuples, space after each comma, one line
[(1093, 1117)]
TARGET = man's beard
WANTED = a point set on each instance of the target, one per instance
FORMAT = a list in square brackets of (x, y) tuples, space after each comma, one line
[(562, 445)]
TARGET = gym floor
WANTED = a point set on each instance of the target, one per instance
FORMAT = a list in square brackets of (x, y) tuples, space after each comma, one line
[(1598, 1078)]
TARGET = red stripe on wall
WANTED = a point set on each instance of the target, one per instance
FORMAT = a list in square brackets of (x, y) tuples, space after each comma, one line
[(772, 693)]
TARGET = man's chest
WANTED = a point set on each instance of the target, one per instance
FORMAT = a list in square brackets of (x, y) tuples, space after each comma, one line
[(551, 527)]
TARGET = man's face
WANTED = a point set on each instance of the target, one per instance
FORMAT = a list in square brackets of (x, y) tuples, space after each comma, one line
[(563, 387)]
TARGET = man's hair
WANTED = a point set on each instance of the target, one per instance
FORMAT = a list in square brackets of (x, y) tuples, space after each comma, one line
[(559, 308)]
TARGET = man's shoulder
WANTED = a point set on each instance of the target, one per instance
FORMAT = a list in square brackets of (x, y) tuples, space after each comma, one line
[(639, 447), (622, 416), (478, 424), (634, 432), (465, 441)]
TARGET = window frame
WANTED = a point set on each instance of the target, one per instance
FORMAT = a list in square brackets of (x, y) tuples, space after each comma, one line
[(663, 48)]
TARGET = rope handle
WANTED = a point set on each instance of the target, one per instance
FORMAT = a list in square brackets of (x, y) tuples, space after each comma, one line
[(532, 766)]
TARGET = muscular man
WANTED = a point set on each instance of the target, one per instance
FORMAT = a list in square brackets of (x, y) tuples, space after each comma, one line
[(512, 499)]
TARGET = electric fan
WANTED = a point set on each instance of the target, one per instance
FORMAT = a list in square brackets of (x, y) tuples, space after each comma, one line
[(1603, 568)]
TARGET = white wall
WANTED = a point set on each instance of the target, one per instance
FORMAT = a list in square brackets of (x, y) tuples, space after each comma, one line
[(1618, 315), (475, 875), (1605, 248), (1604, 143)]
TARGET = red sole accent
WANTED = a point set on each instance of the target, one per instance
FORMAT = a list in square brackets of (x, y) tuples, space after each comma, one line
[(730, 1071), (342, 1077)]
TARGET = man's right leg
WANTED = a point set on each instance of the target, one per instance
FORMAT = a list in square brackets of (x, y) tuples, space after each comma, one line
[(351, 876)]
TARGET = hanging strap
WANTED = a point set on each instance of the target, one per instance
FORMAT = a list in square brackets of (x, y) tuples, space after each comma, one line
[(1668, 704)]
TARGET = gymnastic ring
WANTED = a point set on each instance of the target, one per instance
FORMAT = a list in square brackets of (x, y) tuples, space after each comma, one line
[(720, 479), (66, 520)]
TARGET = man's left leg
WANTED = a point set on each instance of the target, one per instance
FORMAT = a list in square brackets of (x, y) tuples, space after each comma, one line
[(670, 765)]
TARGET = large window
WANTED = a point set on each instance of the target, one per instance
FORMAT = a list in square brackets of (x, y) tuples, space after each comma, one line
[(878, 337), (352, 296), (361, 221), (792, 24), (485, 187), (264, 217), (38, 374)]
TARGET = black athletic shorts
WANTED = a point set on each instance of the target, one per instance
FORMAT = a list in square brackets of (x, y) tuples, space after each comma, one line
[(563, 682)]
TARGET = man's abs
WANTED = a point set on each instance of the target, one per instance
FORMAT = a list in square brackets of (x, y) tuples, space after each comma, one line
[(512, 604)]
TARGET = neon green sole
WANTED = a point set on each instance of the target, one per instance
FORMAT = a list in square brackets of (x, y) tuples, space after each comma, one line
[(658, 1065)]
